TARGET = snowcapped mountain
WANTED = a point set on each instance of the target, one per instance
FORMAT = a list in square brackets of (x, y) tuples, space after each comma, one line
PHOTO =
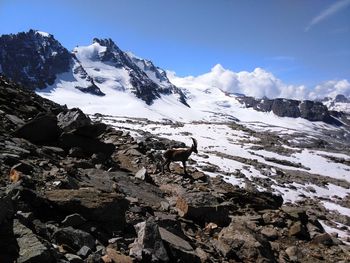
[(338, 103), (38, 61), (33, 58)]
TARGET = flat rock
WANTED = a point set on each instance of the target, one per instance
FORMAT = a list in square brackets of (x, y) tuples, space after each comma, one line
[(180, 249), (31, 249), (107, 209), (202, 208)]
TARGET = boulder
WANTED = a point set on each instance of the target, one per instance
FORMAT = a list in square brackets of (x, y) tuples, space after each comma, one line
[(117, 257), (88, 145), (72, 119), (238, 241), (203, 208), (31, 249), (92, 131), (106, 209), (148, 246), (74, 238), (180, 249), (40, 130)]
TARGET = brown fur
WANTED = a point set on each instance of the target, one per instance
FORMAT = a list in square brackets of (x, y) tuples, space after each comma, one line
[(179, 154)]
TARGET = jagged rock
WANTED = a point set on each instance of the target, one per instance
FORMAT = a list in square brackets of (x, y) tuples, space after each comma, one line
[(324, 238), (73, 220), (31, 249), (74, 238), (314, 111), (203, 208), (286, 108), (238, 241), (117, 257), (180, 249), (73, 258), (42, 129), (299, 230), (88, 145), (149, 246), (106, 209), (294, 254), (270, 233), (84, 252), (146, 193), (72, 119), (92, 131)]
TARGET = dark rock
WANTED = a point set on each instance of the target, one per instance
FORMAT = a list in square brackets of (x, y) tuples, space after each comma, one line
[(106, 209), (92, 131), (84, 252), (203, 208), (299, 230), (324, 238), (33, 59), (148, 246), (238, 241), (74, 238), (181, 250), (72, 119), (73, 220), (42, 129), (88, 145), (31, 248), (286, 108), (314, 111), (8, 245)]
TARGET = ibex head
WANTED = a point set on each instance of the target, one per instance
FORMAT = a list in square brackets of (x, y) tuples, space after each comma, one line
[(194, 145)]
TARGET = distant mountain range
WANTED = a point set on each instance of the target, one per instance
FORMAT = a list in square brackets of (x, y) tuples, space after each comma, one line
[(103, 78)]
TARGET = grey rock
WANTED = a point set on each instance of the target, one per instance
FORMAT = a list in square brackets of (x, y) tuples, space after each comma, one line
[(74, 238), (73, 258), (203, 208), (148, 246), (72, 119), (180, 249), (31, 249), (84, 252)]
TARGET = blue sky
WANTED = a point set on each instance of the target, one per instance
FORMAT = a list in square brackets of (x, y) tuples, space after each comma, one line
[(300, 42)]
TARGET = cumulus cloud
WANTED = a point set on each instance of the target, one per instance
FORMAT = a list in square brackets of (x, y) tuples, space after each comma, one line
[(258, 83), (331, 89)]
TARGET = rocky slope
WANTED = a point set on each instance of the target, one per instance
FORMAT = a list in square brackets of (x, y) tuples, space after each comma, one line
[(73, 190)]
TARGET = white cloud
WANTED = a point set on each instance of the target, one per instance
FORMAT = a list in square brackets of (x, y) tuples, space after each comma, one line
[(331, 89), (328, 12), (258, 83)]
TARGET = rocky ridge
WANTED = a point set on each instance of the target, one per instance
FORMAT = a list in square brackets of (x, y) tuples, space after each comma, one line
[(36, 60), (72, 190)]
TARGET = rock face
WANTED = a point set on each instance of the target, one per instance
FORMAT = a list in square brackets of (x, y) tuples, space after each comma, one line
[(33, 58), (69, 200), (310, 110)]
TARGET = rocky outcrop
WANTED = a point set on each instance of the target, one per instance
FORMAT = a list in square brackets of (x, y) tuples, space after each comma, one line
[(310, 110), (33, 58)]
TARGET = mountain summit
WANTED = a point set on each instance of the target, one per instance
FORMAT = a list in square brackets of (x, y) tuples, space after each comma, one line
[(38, 61)]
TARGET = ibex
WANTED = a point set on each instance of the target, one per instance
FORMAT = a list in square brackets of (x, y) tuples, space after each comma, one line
[(179, 154)]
